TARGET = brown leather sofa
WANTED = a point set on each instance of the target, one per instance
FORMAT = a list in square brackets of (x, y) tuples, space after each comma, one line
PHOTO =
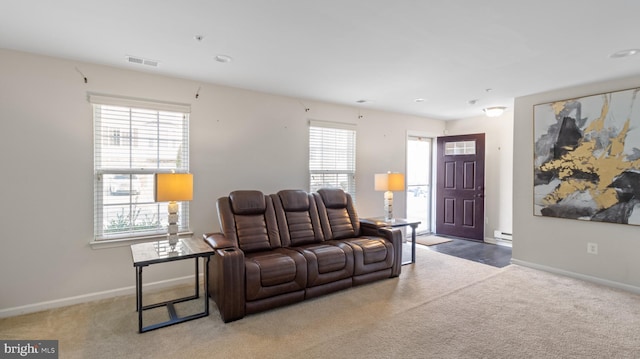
[(283, 248)]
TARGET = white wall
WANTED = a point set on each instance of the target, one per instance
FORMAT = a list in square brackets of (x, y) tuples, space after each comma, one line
[(561, 244), (498, 166), (239, 140)]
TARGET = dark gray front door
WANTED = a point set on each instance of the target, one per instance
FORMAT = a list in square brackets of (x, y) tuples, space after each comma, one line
[(460, 186)]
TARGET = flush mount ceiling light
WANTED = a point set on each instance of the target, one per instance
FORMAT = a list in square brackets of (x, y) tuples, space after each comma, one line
[(494, 111), (624, 53), (223, 58)]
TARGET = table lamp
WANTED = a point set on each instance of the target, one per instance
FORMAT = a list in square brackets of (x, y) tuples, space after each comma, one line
[(172, 187), (389, 182)]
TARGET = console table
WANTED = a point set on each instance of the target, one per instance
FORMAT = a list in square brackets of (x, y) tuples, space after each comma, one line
[(145, 254), (394, 223)]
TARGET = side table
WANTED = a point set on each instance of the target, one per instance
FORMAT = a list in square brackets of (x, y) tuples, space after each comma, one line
[(145, 254), (394, 223)]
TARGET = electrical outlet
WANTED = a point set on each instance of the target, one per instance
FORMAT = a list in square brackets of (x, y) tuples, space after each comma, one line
[(592, 248)]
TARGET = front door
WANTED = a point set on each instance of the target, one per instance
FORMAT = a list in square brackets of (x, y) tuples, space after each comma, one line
[(460, 186)]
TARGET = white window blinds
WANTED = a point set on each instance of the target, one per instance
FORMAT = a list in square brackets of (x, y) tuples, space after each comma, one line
[(133, 140), (332, 156)]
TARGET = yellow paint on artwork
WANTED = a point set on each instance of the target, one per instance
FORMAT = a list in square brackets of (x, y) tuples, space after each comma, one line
[(605, 199), (566, 188), (558, 106), (598, 124), (609, 164), (617, 144)]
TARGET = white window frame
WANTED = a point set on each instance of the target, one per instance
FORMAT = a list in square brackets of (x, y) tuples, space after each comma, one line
[(332, 156), (131, 141)]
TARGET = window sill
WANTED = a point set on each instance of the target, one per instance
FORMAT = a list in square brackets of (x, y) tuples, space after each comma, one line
[(124, 242)]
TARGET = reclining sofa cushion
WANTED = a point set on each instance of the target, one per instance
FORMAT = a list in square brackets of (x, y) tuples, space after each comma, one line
[(273, 273), (372, 254), (297, 217), (299, 223), (339, 222), (248, 218), (269, 270)]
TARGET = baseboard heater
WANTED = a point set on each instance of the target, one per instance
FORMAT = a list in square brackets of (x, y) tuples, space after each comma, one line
[(502, 235)]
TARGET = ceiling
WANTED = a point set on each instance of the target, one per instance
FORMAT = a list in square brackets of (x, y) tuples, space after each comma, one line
[(388, 52)]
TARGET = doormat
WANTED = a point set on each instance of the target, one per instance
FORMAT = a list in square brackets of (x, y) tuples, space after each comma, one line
[(432, 240)]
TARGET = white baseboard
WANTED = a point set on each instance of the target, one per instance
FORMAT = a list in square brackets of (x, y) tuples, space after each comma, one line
[(498, 241), (63, 302), (587, 278)]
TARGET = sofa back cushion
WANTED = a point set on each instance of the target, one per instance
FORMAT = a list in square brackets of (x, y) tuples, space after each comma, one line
[(248, 219), (297, 216), (337, 213)]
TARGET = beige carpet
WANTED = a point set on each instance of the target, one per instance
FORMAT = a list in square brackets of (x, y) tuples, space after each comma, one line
[(441, 307), (431, 240)]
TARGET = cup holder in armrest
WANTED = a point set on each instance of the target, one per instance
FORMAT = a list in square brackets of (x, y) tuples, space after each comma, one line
[(230, 250)]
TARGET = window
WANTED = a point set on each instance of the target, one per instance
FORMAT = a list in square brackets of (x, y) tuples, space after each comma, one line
[(133, 140), (332, 156), (419, 181), (460, 148)]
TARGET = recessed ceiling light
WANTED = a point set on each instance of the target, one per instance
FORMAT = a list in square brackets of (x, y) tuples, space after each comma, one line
[(624, 53), (418, 100), (199, 38), (223, 58), (364, 101)]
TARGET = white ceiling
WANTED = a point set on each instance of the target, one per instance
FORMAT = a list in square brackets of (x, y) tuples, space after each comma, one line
[(390, 52)]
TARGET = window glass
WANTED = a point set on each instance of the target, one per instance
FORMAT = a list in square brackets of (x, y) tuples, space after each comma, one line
[(332, 156), (460, 148), (131, 145)]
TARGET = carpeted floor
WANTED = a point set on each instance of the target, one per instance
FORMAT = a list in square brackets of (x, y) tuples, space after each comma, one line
[(440, 307)]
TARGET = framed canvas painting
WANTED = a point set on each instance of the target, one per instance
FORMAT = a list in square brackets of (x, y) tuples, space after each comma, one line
[(587, 158)]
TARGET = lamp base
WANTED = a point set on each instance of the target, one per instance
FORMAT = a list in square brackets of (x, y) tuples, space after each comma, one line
[(173, 241), (172, 228), (388, 206)]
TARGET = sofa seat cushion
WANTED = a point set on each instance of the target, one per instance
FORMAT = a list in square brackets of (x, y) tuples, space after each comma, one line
[(327, 262), (274, 272), (371, 254)]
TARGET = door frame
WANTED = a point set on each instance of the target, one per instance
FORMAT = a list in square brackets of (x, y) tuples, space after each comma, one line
[(461, 196)]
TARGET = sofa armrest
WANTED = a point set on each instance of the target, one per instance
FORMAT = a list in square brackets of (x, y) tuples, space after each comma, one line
[(226, 277), (217, 240), (393, 235)]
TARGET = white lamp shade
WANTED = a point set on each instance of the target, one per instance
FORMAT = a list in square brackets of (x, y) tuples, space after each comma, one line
[(389, 182), (174, 187)]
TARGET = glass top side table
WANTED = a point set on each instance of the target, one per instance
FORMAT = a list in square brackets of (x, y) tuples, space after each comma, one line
[(394, 223), (145, 254)]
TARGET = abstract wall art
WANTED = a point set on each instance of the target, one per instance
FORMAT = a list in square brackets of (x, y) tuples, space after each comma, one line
[(587, 158)]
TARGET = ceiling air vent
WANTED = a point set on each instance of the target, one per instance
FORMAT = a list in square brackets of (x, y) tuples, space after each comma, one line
[(142, 61)]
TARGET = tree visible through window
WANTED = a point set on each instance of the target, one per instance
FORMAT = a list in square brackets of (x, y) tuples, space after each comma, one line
[(133, 140), (332, 156)]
